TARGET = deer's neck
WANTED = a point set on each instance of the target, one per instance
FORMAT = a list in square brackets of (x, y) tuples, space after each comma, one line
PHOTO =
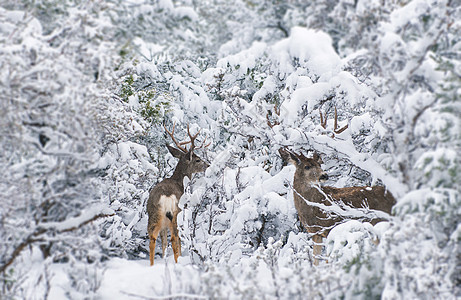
[(306, 188), (178, 175)]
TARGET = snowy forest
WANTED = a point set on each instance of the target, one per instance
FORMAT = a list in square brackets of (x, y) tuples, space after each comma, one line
[(88, 87)]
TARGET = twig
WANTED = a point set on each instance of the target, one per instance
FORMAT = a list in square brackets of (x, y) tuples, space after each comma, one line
[(98, 216), (28, 241), (39, 231)]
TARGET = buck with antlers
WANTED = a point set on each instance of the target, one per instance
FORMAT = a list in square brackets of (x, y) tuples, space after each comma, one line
[(320, 208), (162, 206)]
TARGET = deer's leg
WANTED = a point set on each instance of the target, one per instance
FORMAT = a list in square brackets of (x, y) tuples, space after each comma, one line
[(175, 242), (317, 248), (175, 225), (153, 238), (164, 236), (152, 249)]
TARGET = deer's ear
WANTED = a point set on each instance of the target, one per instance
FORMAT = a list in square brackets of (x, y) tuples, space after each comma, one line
[(288, 156), (175, 152), (294, 159), (317, 158), (284, 154)]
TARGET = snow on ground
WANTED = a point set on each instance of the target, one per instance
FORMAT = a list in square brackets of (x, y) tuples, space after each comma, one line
[(128, 279), (131, 279)]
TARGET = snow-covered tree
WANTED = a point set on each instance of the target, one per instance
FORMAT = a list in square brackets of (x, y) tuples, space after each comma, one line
[(87, 87)]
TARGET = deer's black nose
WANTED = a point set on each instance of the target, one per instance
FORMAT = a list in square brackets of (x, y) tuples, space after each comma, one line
[(323, 177)]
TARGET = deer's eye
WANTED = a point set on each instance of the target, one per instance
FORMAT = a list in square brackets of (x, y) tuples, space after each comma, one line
[(307, 167), (197, 160)]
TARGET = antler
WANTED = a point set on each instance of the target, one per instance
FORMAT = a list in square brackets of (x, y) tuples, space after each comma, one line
[(336, 130), (203, 146), (180, 145), (192, 138), (323, 123)]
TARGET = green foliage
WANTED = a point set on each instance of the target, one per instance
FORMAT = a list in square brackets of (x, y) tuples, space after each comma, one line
[(451, 86), (127, 88), (370, 285), (8, 281), (153, 107)]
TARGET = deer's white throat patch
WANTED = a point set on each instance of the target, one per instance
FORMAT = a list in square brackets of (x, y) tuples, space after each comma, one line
[(168, 204)]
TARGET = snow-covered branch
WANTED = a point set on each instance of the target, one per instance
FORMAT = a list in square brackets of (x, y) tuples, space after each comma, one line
[(342, 210), (361, 160), (86, 217), (59, 227)]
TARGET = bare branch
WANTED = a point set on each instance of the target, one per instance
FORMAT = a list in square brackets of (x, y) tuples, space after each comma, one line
[(34, 237), (28, 241), (276, 122)]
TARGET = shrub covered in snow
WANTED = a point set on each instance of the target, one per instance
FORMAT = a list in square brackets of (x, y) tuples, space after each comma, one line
[(86, 87)]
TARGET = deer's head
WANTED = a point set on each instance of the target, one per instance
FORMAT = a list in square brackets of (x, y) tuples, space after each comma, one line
[(189, 163), (307, 169)]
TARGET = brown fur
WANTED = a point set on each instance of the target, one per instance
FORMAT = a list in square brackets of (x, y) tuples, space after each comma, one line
[(316, 220), (159, 219)]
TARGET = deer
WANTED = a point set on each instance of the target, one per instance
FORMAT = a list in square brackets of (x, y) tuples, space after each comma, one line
[(320, 208), (162, 205)]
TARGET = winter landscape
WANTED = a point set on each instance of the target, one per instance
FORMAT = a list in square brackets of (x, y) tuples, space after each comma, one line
[(87, 88)]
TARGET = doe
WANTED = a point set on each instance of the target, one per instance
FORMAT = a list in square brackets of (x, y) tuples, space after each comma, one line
[(320, 208), (162, 206)]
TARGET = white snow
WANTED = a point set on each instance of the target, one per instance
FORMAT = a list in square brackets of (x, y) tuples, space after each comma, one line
[(313, 49), (244, 60), (124, 279), (186, 12), (223, 67), (87, 215)]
